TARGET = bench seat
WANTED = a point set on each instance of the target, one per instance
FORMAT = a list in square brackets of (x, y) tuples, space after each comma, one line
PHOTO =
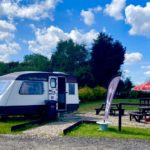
[(138, 116), (112, 111)]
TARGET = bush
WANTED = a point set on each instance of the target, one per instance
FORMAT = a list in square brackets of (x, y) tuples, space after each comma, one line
[(89, 94), (139, 94), (99, 93), (134, 94), (86, 94)]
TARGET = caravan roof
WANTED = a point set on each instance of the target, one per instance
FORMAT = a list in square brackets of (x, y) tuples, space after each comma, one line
[(36, 75)]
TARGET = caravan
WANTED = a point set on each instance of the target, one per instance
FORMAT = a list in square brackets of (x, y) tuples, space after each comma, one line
[(24, 93)]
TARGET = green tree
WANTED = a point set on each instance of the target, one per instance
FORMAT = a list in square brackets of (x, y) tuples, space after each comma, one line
[(13, 66), (3, 68), (124, 88), (35, 62), (106, 59), (128, 85), (68, 57), (71, 58)]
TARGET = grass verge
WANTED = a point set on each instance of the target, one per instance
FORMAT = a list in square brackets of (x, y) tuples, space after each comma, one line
[(90, 106), (92, 130), (6, 124)]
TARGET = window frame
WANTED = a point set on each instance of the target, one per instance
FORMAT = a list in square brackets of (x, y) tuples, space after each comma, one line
[(41, 82)]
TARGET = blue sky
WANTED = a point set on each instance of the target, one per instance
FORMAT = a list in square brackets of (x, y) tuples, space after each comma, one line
[(35, 26)]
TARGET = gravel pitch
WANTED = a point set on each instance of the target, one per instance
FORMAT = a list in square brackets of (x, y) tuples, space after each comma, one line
[(48, 137), (70, 143)]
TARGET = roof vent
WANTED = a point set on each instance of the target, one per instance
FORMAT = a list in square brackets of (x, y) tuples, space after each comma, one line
[(59, 72)]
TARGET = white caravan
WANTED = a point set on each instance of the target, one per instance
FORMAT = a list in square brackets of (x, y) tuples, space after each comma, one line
[(24, 93)]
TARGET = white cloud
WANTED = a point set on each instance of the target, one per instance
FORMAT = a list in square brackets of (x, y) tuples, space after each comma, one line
[(96, 9), (35, 11), (6, 30), (7, 46), (126, 71), (6, 36), (6, 26), (89, 15), (145, 67), (147, 73), (104, 29), (6, 50), (46, 39), (139, 19), (115, 8), (133, 57), (81, 37)]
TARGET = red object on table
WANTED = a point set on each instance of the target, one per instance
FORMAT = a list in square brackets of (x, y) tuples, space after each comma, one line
[(147, 119)]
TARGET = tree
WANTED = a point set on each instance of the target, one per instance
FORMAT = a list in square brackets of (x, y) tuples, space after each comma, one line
[(3, 68), (13, 66), (35, 62), (71, 58), (124, 88), (128, 85), (107, 56)]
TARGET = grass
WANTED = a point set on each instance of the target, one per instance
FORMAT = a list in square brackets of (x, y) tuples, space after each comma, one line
[(90, 106), (92, 130), (5, 125)]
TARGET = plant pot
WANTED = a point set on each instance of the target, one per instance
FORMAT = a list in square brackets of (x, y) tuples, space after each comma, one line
[(103, 125)]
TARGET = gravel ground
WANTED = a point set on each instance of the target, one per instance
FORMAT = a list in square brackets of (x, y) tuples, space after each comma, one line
[(56, 128), (49, 137), (70, 143)]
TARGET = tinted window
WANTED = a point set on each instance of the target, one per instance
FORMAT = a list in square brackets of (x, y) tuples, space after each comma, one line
[(53, 82), (4, 85), (31, 88), (71, 88)]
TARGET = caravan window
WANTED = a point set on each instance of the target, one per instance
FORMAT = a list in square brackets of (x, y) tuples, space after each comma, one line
[(71, 88), (53, 82), (4, 85), (32, 88)]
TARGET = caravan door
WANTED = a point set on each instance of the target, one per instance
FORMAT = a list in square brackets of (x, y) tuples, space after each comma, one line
[(61, 93), (53, 88)]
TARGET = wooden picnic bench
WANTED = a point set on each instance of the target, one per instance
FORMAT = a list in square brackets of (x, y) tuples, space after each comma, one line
[(144, 110), (138, 116), (114, 108), (144, 101)]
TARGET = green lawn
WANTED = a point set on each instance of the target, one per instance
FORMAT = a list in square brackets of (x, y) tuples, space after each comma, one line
[(92, 130), (5, 125), (90, 106)]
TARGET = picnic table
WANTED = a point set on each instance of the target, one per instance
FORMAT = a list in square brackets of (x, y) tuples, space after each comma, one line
[(144, 101), (144, 111), (114, 108)]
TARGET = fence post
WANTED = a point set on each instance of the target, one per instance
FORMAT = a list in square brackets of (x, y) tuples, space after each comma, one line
[(120, 119)]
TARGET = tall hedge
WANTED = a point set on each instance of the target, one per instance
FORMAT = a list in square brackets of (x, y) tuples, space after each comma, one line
[(92, 94)]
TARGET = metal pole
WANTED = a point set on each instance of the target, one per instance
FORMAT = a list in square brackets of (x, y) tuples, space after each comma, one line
[(120, 119)]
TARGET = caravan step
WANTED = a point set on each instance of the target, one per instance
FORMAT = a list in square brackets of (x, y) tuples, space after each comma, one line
[(61, 110)]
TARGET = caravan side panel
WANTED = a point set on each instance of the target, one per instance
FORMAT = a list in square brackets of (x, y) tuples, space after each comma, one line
[(72, 98), (16, 98)]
